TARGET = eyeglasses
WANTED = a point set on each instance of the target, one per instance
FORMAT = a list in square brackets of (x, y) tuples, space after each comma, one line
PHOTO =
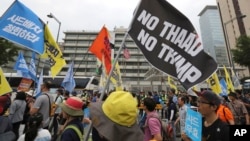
[(203, 102)]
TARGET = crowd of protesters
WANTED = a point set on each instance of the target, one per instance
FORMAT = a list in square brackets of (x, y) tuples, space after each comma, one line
[(120, 115)]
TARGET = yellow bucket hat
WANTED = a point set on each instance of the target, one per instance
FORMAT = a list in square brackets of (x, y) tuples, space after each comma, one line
[(115, 118), (121, 108)]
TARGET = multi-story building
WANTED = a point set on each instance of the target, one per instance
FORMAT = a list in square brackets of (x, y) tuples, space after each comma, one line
[(235, 18), (212, 35), (133, 70)]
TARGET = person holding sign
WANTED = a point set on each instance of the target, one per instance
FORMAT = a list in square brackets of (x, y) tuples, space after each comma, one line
[(212, 127)]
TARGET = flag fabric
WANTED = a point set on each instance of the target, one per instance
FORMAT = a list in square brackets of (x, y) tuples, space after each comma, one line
[(235, 80), (53, 53), (4, 85), (21, 66), (169, 42), (116, 77), (38, 91), (32, 67), (214, 83), (126, 53), (98, 67), (230, 86), (69, 81), (223, 87), (22, 26), (171, 83), (101, 47)]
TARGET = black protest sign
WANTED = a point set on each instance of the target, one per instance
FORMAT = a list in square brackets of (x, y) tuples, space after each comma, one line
[(169, 42)]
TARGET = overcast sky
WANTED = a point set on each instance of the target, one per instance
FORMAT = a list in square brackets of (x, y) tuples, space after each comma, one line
[(93, 14)]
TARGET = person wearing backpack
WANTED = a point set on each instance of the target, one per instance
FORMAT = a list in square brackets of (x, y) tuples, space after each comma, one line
[(225, 114), (43, 104), (72, 112), (152, 127)]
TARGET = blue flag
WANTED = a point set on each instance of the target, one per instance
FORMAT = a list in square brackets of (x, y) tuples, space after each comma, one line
[(21, 66), (223, 85), (40, 82), (32, 67), (69, 81), (21, 26)]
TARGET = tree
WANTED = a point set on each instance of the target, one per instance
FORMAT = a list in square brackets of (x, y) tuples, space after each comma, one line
[(7, 52), (242, 51)]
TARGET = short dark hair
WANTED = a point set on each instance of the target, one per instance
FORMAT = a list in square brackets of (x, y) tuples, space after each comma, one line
[(149, 103), (172, 90), (66, 92), (47, 84), (20, 95)]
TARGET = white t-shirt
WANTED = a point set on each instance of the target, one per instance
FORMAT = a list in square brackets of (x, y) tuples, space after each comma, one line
[(42, 135)]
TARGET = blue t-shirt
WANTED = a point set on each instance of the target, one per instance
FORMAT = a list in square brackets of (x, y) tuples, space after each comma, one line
[(86, 115)]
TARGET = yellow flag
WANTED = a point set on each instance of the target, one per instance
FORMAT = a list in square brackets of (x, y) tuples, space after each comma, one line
[(116, 77), (53, 53), (4, 85), (214, 83), (230, 86), (171, 83)]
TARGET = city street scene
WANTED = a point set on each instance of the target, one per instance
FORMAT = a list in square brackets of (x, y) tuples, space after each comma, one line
[(124, 70)]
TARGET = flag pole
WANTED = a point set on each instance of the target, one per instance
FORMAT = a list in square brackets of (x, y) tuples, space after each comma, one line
[(108, 80), (81, 62)]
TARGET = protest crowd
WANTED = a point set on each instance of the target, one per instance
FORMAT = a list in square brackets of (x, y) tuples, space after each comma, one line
[(70, 114), (119, 115)]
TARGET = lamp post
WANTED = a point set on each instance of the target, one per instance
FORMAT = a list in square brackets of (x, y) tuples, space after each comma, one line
[(52, 16), (229, 54)]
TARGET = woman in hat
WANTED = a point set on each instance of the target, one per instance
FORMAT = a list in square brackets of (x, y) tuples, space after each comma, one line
[(35, 131), (115, 118), (72, 112)]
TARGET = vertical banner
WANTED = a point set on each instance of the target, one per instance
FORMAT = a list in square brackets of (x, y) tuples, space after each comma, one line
[(116, 78), (4, 85), (230, 86), (170, 43), (69, 81), (53, 53), (215, 83)]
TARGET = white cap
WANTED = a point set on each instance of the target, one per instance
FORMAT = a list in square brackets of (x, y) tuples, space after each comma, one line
[(30, 93)]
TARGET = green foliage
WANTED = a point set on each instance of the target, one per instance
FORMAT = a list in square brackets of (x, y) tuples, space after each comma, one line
[(7, 52), (242, 51)]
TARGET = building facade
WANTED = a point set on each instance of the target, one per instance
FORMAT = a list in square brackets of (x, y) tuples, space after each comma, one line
[(235, 17), (212, 35), (133, 70)]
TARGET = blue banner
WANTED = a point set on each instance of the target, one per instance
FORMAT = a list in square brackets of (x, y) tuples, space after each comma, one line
[(21, 26), (38, 91), (69, 81), (21, 66), (193, 125), (223, 85), (32, 67)]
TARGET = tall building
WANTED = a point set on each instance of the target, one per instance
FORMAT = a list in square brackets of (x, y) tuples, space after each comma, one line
[(133, 70), (235, 17), (212, 35)]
